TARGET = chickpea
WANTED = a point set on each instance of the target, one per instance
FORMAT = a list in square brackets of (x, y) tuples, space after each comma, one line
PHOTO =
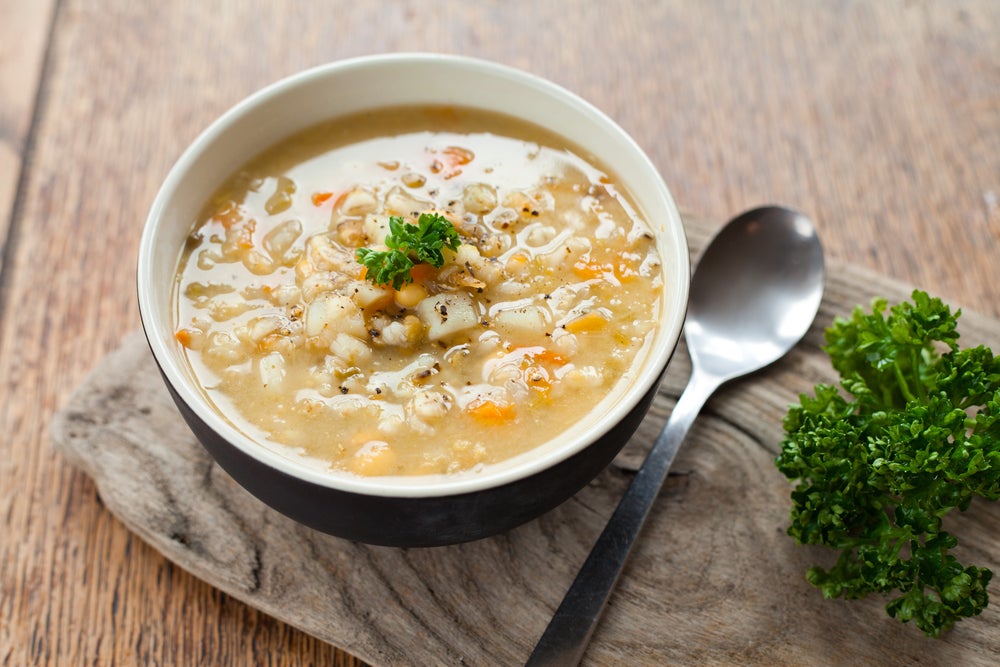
[(410, 295)]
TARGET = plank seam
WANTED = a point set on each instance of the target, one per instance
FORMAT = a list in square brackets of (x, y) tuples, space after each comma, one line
[(11, 242)]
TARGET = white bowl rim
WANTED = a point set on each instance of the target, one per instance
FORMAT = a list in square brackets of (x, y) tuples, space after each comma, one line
[(405, 486)]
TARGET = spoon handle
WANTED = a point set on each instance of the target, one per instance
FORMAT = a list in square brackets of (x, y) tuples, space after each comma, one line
[(565, 639)]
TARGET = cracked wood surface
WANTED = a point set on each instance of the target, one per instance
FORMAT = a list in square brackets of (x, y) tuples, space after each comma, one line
[(879, 119), (713, 580)]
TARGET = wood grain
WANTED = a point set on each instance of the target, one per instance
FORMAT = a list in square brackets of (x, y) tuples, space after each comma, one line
[(879, 119), (714, 566), (24, 35)]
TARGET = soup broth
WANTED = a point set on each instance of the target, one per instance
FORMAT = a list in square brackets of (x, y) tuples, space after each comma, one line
[(549, 300)]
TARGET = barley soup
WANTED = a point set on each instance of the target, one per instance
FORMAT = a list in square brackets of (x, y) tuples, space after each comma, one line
[(536, 316)]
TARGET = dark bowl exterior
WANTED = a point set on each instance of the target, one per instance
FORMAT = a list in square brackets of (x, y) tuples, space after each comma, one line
[(417, 521)]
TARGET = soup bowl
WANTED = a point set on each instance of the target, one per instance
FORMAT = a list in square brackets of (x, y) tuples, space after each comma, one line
[(417, 510)]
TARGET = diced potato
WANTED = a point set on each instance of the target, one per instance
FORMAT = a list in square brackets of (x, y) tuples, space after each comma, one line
[(525, 320), (334, 313), (447, 314), (376, 229), (272, 370), (367, 295), (350, 350), (467, 254)]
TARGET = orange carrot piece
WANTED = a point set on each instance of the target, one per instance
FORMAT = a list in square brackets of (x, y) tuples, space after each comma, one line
[(183, 337), (457, 155), (588, 270), (491, 413), (421, 273), (592, 321), (319, 197), (546, 355)]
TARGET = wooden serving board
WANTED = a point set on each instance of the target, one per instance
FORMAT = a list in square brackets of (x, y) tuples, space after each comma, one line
[(714, 579)]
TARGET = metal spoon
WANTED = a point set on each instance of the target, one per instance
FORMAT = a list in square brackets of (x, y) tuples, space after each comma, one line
[(754, 294)]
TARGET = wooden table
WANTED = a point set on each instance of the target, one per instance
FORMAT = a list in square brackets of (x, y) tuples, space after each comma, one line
[(880, 119)]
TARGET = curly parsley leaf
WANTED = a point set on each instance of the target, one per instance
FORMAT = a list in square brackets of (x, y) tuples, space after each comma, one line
[(408, 244), (917, 435)]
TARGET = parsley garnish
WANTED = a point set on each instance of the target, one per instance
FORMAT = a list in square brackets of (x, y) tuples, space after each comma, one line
[(878, 473), (407, 243)]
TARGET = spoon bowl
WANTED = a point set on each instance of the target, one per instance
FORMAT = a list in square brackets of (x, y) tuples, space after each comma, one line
[(754, 294)]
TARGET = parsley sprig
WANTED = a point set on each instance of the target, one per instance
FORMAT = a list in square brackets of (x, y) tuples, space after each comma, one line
[(878, 472), (408, 244)]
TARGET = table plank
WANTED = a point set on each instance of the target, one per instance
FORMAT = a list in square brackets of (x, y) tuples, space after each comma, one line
[(24, 33), (877, 118)]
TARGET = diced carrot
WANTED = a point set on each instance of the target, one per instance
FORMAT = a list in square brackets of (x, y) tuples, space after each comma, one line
[(541, 387), (592, 321), (422, 273), (183, 337), (589, 269), (319, 197), (624, 272), (546, 355), (491, 413), (456, 155)]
